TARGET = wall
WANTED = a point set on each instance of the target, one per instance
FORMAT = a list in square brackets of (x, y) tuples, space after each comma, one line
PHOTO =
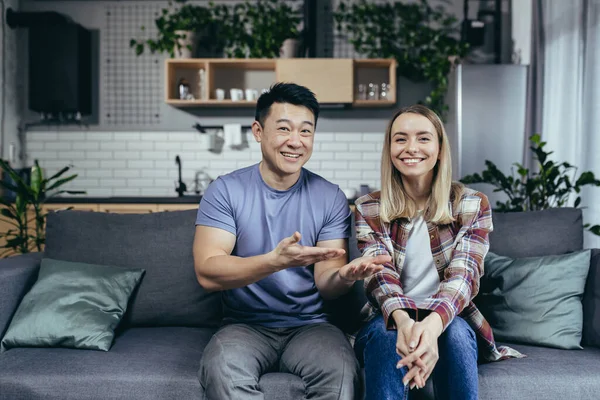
[(143, 163), (138, 158), (10, 87)]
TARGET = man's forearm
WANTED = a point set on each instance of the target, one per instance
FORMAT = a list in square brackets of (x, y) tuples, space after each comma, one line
[(331, 285), (231, 272)]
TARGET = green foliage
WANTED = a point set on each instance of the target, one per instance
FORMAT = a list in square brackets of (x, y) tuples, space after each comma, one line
[(27, 231), (552, 185), (186, 17), (421, 38), (258, 29), (251, 29)]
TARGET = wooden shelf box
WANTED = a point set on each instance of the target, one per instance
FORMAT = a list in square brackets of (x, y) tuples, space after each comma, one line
[(333, 80)]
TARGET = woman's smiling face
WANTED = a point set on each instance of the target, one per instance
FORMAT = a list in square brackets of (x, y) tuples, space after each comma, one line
[(414, 146)]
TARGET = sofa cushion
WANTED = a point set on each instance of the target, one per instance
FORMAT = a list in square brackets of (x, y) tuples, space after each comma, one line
[(544, 374), (537, 233), (591, 303), (74, 305), (144, 363), (160, 243), (535, 300)]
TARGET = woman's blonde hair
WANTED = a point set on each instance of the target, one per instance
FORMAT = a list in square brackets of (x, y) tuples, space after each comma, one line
[(395, 203)]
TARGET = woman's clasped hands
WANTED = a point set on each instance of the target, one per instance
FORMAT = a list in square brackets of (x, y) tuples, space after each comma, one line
[(417, 346)]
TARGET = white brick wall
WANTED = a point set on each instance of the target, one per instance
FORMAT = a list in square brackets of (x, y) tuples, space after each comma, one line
[(143, 163)]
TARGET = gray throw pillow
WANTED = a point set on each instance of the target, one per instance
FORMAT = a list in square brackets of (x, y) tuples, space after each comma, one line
[(74, 305), (535, 300)]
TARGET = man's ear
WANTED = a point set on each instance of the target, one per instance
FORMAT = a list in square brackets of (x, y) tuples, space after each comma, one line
[(257, 131)]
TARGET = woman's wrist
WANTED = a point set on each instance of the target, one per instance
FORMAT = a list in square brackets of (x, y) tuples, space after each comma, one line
[(399, 316), (435, 321)]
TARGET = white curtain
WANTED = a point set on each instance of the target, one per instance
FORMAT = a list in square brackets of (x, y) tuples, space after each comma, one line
[(571, 95)]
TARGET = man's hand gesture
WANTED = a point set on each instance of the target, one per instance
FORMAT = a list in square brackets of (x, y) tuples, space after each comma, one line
[(362, 267), (289, 253)]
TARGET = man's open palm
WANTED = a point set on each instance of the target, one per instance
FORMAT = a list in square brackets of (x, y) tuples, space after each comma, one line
[(289, 253)]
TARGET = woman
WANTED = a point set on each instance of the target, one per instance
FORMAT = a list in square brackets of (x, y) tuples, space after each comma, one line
[(421, 318)]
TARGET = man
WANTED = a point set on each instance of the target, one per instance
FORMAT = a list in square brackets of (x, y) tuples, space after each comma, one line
[(273, 238)]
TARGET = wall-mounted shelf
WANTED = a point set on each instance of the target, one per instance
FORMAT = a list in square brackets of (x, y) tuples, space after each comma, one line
[(333, 80)]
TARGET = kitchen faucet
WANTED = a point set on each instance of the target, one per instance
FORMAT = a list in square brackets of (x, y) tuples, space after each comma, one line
[(181, 187)]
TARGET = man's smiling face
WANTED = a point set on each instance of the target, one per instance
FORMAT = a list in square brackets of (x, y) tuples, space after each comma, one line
[(286, 139)]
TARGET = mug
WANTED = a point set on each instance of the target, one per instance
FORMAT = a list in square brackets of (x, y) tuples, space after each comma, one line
[(251, 94), (236, 94), (220, 94)]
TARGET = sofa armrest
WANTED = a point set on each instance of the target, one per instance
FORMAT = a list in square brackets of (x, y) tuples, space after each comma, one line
[(17, 275), (591, 303)]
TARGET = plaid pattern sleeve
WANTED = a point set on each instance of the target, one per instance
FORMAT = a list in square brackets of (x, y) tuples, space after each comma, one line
[(383, 289), (461, 277)]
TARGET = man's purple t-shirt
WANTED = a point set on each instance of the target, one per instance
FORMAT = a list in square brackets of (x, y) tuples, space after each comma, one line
[(260, 217)]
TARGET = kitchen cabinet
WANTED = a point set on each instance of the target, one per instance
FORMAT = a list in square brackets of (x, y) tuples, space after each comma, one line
[(128, 208), (333, 80)]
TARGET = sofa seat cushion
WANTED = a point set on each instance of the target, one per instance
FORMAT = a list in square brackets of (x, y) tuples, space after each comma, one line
[(144, 363), (545, 374)]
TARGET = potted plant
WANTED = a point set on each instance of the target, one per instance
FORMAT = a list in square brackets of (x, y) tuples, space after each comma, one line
[(550, 185), (422, 39), (25, 214), (260, 29), (182, 30)]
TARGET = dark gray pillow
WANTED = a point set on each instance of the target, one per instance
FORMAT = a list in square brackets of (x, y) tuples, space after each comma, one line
[(535, 300), (537, 233), (160, 243), (591, 303), (74, 305)]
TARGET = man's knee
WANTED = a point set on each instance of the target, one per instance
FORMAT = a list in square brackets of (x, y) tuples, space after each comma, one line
[(225, 368)]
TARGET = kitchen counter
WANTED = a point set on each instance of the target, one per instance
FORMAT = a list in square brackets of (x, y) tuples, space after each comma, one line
[(126, 200), (132, 200)]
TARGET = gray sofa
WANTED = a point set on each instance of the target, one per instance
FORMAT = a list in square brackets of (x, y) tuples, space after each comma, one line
[(170, 318)]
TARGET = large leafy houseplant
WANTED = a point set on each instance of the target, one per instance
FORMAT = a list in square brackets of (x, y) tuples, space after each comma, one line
[(551, 185), (424, 40), (25, 214)]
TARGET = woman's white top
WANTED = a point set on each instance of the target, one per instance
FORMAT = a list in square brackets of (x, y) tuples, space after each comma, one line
[(419, 278)]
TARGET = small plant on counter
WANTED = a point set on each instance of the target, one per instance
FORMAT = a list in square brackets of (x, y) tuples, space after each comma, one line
[(552, 186), (25, 213)]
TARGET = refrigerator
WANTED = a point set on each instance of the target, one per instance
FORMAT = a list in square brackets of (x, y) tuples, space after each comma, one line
[(486, 119)]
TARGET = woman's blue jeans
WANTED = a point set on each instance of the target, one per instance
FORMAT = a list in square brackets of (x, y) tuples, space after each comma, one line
[(454, 376)]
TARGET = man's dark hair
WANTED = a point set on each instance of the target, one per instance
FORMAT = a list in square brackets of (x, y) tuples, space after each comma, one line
[(286, 93)]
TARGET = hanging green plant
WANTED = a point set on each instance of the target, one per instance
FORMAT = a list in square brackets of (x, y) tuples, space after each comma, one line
[(422, 39), (551, 186)]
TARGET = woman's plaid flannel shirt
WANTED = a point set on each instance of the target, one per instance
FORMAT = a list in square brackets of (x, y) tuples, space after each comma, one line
[(458, 251)]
